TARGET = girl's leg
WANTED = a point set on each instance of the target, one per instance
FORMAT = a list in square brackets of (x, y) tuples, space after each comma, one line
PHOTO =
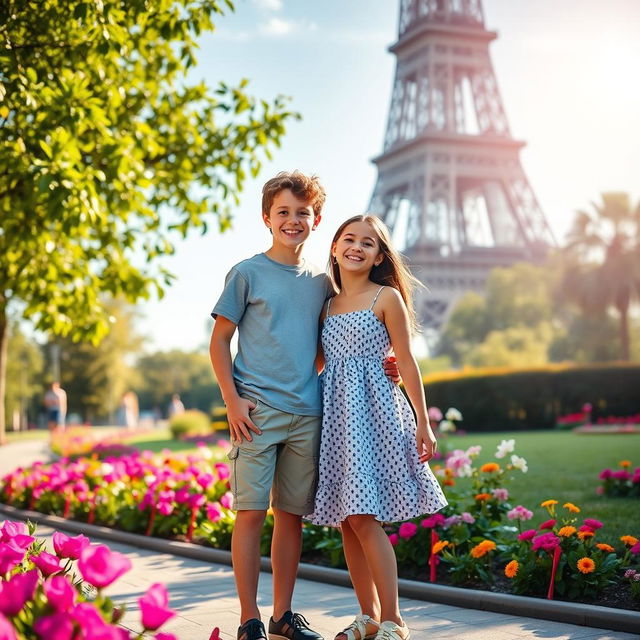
[(381, 561), (360, 575)]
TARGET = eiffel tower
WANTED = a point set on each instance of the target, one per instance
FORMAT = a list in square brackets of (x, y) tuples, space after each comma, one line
[(450, 183)]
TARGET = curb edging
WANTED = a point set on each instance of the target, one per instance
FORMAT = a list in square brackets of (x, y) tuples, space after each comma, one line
[(557, 611)]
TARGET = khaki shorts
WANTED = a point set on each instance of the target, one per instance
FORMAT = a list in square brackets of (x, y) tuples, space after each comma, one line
[(282, 461)]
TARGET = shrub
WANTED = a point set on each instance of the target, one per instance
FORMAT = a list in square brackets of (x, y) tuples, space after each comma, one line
[(189, 423)]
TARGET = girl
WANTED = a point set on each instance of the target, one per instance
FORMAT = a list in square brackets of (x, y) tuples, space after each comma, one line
[(372, 452)]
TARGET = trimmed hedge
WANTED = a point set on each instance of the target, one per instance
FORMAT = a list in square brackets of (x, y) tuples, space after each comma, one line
[(524, 399)]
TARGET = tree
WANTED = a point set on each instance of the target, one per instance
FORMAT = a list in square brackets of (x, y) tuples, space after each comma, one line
[(95, 377), (106, 151), (604, 266), (167, 372)]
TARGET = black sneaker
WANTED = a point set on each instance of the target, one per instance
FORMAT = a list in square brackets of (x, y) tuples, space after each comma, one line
[(292, 626), (252, 630)]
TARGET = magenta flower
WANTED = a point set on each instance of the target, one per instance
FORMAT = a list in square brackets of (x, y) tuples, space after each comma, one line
[(407, 530), (605, 474), (635, 549), (205, 480), (100, 566), (58, 626), (165, 508), (213, 512), (47, 563), (16, 591), (10, 556), (6, 629), (436, 520), (227, 500), (197, 500), (60, 593), (547, 541), (393, 539), (594, 525), (69, 547), (527, 535), (222, 470), (548, 524), (154, 606), (11, 529)]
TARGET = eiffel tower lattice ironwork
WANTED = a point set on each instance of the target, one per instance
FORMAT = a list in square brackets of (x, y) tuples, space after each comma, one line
[(450, 183)]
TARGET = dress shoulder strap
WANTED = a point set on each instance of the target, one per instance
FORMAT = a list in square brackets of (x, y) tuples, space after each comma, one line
[(328, 307), (376, 297)]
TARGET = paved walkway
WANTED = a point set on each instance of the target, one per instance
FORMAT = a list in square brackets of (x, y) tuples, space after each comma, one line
[(204, 596)]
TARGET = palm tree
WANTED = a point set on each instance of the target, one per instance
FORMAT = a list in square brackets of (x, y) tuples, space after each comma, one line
[(603, 267)]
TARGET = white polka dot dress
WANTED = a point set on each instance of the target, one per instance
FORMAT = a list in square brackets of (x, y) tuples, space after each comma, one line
[(368, 458)]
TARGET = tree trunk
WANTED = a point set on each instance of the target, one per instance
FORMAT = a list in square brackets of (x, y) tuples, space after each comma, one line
[(4, 344), (624, 333)]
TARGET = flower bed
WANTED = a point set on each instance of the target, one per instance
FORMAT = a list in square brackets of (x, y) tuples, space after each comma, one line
[(620, 483), (42, 598), (478, 540)]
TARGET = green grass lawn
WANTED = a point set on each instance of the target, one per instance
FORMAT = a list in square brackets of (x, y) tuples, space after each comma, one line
[(565, 466)]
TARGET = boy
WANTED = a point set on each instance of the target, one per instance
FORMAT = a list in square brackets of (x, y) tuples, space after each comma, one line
[(272, 396), (273, 399)]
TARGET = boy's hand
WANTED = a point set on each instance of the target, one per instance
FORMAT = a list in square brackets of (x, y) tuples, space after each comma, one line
[(391, 370), (426, 442), (240, 424)]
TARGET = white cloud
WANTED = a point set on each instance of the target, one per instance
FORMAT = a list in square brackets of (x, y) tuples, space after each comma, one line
[(269, 5), (278, 27)]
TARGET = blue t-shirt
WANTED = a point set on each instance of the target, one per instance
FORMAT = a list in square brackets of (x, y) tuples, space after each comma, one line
[(277, 309)]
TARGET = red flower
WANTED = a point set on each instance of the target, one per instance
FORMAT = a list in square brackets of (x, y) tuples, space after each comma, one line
[(549, 524)]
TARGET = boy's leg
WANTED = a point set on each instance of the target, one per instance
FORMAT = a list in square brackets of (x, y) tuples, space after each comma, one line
[(286, 545), (245, 554)]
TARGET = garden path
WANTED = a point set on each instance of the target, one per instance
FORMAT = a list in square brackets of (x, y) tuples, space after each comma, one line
[(204, 595)]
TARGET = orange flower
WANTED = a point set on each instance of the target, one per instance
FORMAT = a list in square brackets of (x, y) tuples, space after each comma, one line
[(511, 569), (586, 565), (605, 547), (483, 548), (439, 546), (490, 467), (567, 531), (449, 483), (625, 463), (549, 503), (572, 507), (583, 535), (630, 541), (483, 496), (436, 467)]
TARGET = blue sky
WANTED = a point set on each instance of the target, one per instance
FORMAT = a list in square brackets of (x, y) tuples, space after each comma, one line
[(568, 76)]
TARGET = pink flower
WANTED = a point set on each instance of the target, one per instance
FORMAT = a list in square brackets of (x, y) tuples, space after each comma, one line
[(520, 513), (15, 592), (213, 512), (467, 517), (407, 530), (527, 535), (436, 520), (69, 547), (451, 520), (10, 556), (635, 549), (222, 470), (47, 563), (548, 524), (154, 605), (205, 480), (12, 529), (167, 636), (165, 508), (593, 524), (500, 494), (60, 593), (197, 500), (58, 626), (547, 541), (100, 566), (434, 414), (605, 474), (6, 629), (393, 539), (227, 500)]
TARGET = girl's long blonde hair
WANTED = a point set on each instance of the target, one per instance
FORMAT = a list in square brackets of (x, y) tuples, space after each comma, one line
[(392, 271)]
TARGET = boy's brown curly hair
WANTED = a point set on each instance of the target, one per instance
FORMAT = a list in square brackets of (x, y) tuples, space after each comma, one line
[(303, 187)]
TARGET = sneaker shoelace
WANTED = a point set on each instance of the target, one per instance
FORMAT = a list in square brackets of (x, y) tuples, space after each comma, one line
[(299, 621)]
